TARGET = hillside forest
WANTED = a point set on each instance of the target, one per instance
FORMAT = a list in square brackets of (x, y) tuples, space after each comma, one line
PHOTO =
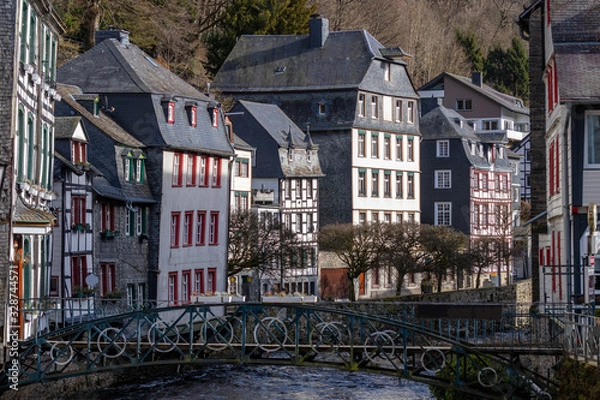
[(193, 37)]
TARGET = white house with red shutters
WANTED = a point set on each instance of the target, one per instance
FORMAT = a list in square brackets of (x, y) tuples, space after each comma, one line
[(188, 162)]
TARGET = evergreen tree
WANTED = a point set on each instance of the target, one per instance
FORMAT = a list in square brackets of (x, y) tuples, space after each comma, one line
[(473, 52), (254, 17)]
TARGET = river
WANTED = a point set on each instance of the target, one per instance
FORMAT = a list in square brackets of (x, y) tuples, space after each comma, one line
[(252, 382)]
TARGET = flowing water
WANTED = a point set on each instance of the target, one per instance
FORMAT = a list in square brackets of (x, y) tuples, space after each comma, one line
[(252, 382)]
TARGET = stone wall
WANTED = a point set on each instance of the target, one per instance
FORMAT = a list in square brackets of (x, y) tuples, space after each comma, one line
[(519, 292)]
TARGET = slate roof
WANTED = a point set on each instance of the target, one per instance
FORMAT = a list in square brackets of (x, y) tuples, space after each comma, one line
[(269, 130), (440, 123), (505, 100), (576, 38), (106, 141), (72, 94), (27, 215), (241, 144), (137, 87), (110, 67), (575, 21), (65, 126), (276, 63)]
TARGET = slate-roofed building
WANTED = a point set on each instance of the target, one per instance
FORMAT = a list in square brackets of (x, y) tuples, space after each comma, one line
[(187, 153), (356, 98), (466, 182), (30, 32), (565, 178), (285, 184), (120, 200)]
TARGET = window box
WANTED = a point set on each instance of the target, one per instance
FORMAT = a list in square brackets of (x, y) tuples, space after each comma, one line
[(78, 227), (108, 234)]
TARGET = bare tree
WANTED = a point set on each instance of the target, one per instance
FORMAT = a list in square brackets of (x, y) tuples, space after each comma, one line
[(400, 247), (355, 246)]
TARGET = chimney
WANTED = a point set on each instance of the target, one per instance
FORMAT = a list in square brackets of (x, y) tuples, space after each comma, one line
[(476, 79), (112, 33), (318, 28)]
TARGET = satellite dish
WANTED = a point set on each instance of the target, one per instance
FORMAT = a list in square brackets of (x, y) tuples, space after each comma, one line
[(91, 280)]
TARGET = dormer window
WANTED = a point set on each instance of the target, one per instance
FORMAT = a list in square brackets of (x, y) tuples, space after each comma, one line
[(215, 117), (139, 170), (387, 72), (171, 112), (291, 154), (96, 107), (374, 107), (322, 108), (79, 151), (193, 116), (308, 155), (129, 163)]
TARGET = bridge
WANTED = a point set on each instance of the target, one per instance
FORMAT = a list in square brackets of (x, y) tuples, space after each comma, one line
[(482, 349)]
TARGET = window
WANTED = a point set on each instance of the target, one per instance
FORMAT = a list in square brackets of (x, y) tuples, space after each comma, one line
[(201, 228), (186, 286), (78, 210), (361, 143), (387, 184), (108, 277), (298, 191), (411, 217), (442, 179), (374, 144), (290, 154), (410, 182), (175, 221), (592, 141), (464, 105), (193, 116), (374, 216), (410, 111), (216, 173), (322, 108), (211, 281), (398, 111), (375, 183), (171, 112), (484, 181), (298, 223), (399, 184), (387, 72), (213, 235), (140, 168), (362, 218), (399, 144), (198, 284), (140, 220), (362, 186), (107, 215), (215, 117), (490, 125), (241, 167), (310, 227), (78, 271), (54, 285), (79, 151), (240, 201), (32, 38), (443, 214), (387, 147), (374, 107), (128, 172), (204, 165), (177, 169), (309, 188), (361, 105), (443, 148), (173, 288), (188, 228), (190, 170), (24, 20), (476, 215), (387, 218), (410, 150)]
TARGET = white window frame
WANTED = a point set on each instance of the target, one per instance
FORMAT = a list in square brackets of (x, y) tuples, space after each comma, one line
[(443, 210), (443, 179), (442, 148)]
